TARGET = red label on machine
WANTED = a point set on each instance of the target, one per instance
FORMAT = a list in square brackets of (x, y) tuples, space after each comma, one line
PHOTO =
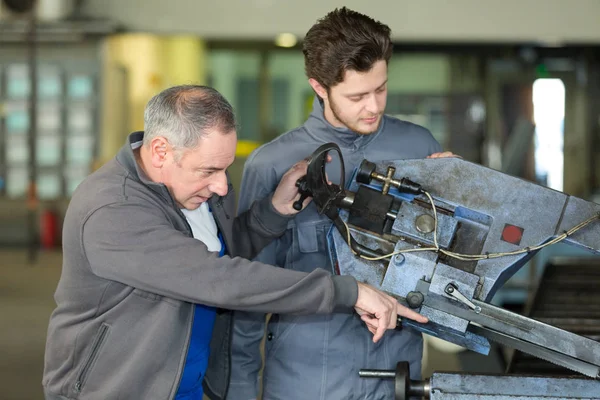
[(512, 234)]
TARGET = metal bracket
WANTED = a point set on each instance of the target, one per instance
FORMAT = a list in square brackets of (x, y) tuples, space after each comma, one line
[(452, 291)]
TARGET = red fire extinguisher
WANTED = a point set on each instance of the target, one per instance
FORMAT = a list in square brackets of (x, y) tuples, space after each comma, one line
[(49, 229)]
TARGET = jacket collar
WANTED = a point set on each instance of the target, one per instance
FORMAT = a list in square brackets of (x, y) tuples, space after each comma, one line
[(321, 130), (126, 158)]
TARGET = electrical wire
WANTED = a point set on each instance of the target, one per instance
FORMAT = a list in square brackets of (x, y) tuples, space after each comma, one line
[(471, 257)]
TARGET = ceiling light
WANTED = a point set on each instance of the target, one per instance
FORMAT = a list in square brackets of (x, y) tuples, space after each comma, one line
[(286, 40)]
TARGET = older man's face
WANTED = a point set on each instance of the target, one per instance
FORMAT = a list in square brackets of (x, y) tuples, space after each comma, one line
[(200, 172)]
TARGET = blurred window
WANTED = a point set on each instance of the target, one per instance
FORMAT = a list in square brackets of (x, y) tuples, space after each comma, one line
[(66, 128)]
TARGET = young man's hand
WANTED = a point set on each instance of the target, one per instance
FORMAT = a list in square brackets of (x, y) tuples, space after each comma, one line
[(444, 154), (287, 193)]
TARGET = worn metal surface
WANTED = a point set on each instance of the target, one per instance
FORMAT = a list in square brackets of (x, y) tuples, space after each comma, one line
[(542, 212), (470, 386), (541, 352), (475, 205), (449, 386), (413, 219)]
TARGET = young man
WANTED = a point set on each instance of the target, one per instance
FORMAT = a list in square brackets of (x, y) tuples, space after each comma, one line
[(318, 357), (152, 250)]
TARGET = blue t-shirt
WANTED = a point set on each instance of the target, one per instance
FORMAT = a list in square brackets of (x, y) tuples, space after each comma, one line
[(196, 362)]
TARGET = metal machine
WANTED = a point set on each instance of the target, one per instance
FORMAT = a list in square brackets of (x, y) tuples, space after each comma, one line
[(442, 236), (462, 386)]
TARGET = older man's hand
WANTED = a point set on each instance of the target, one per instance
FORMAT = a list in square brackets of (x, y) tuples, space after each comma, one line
[(380, 311)]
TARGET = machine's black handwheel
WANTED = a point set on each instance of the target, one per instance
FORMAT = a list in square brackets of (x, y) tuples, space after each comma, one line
[(402, 381), (315, 183)]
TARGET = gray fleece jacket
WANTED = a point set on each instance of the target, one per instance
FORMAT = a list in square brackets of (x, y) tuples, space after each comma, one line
[(132, 272)]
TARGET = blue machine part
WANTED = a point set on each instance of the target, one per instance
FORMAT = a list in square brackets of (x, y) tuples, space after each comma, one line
[(479, 211)]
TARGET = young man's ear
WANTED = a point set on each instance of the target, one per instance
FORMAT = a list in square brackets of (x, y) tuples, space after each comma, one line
[(159, 148), (318, 88)]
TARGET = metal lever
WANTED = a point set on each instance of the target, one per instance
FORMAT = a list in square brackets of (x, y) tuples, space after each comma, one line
[(452, 291), (302, 186)]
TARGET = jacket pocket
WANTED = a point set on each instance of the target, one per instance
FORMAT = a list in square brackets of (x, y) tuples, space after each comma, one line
[(99, 340), (309, 248), (278, 328), (307, 238)]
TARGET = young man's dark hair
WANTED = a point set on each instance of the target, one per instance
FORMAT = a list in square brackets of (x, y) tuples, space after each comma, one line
[(330, 48)]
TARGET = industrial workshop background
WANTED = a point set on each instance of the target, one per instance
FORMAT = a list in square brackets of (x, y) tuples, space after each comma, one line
[(512, 84)]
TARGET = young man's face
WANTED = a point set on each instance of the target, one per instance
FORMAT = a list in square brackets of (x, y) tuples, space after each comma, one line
[(358, 102), (200, 172)]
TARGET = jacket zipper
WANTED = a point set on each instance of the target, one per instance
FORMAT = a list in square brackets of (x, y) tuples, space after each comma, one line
[(88, 364), (185, 352), (187, 347), (187, 224), (230, 346), (219, 204)]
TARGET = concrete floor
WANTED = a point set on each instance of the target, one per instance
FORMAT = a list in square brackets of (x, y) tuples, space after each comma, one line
[(25, 305), (26, 301)]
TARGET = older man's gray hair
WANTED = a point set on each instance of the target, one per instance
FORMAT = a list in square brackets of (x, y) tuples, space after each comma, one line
[(184, 114)]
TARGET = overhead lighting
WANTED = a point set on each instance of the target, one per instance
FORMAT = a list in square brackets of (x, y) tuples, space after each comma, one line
[(286, 40)]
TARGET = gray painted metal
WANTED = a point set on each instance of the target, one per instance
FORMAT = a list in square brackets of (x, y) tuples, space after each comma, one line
[(503, 199), (450, 386), (539, 351), (475, 203), (406, 224)]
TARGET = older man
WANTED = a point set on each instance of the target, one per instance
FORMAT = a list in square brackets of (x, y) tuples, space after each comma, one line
[(153, 252)]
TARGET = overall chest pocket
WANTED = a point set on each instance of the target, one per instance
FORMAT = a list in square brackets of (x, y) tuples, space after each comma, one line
[(307, 238), (309, 248)]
